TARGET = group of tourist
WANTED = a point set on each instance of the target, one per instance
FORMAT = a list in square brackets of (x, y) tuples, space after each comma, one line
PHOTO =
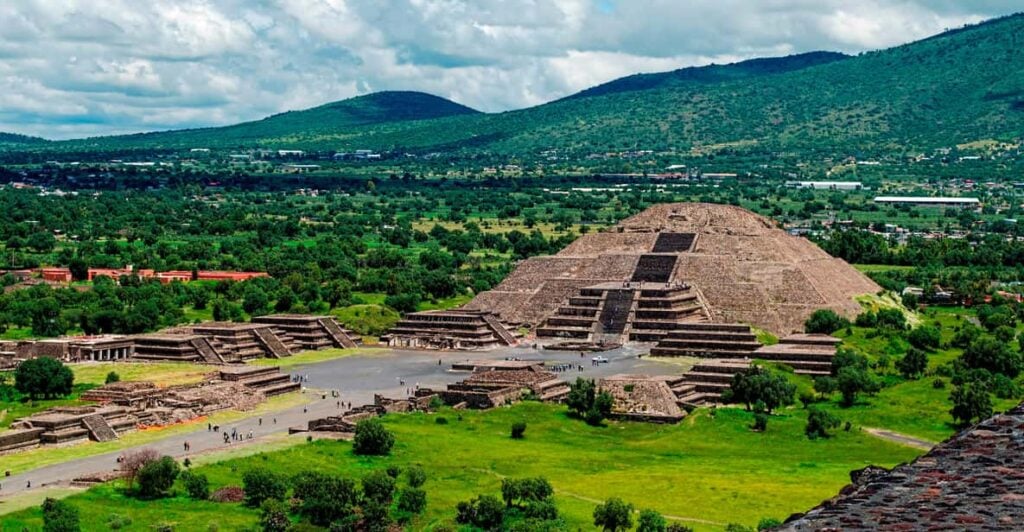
[(562, 368)]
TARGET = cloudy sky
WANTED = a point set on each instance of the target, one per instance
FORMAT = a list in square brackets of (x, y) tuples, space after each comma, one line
[(72, 68)]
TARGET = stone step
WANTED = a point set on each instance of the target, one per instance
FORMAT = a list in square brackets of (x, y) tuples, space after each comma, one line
[(702, 377), (98, 428)]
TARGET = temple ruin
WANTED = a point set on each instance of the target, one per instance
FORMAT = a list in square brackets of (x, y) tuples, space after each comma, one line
[(127, 406), (275, 336), (450, 329), (674, 265)]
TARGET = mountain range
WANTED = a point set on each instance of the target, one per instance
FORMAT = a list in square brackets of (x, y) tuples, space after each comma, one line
[(959, 86)]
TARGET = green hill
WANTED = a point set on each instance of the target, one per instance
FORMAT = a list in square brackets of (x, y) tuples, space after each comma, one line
[(960, 86), (711, 74), (332, 120), (14, 139)]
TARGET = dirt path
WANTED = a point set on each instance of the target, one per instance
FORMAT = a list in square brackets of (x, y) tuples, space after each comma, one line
[(901, 439)]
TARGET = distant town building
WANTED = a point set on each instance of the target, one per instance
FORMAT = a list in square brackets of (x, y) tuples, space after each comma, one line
[(826, 185), (929, 201)]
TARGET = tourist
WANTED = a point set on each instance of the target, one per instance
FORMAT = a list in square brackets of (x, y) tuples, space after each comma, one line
[(209, 427), (261, 422)]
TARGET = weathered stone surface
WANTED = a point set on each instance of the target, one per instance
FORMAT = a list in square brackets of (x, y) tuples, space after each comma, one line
[(972, 481)]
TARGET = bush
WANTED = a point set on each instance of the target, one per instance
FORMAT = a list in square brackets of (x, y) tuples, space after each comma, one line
[(197, 485), (261, 484), (441, 420), (925, 337), (379, 487), (677, 527), (412, 500), (43, 377), (760, 422), (157, 477), (372, 438), (118, 521), (651, 521), (518, 429), (891, 319), (913, 364), (485, 511), (824, 321), (112, 377), (938, 384), (417, 476), (324, 498), (819, 422), (970, 401), (992, 355), (1003, 387), (393, 471), (59, 516), (613, 515), (584, 401), (768, 523), (274, 516)]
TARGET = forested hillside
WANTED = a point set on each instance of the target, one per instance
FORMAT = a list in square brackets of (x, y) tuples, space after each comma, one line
[(962, 86)]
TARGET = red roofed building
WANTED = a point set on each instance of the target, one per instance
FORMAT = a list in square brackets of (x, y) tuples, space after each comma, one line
[(56, 275)]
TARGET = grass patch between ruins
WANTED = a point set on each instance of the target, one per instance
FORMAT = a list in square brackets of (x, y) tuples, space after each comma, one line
[(710, 470)]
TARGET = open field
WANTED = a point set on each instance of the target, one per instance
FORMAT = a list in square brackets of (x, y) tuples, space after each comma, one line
[(699, 470), (310, 357)]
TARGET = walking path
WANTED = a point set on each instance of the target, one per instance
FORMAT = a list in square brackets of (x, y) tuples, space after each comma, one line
[(357, 378), (902, 439)]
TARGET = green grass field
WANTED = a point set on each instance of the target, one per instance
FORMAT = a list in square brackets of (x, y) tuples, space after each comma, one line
[(709, 470)]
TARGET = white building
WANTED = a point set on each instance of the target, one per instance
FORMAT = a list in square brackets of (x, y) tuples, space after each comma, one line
[(826, 185), (929, 201)]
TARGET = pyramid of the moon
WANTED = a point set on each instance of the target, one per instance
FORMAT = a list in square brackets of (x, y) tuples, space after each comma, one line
[(714, 263)]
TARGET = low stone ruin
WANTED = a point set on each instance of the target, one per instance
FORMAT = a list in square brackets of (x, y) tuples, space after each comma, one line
[(643, 398), (807, 354), (972, 481), (125, 406), (275, 336), (450, 329)]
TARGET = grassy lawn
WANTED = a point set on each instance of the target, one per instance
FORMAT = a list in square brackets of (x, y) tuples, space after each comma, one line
[(161, 373), (709, 470), (310, 357), (869, 268), (444, 304), (16, 333), (44, 456)]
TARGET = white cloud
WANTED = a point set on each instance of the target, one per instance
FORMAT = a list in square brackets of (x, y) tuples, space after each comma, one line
[(88, 67)]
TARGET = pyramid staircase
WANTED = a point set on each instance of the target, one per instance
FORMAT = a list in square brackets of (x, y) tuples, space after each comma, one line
[(272, 343), (98, 428), (807, 354), (206, 350), (708, 340), (706, 381), (340, 337)]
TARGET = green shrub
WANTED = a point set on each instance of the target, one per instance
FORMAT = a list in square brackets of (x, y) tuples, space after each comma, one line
[(59, 516), (112, 377), (379, 487), (197, 485), (261, 484), (417, 476), (274, 516), (819, 422), (651, 521), (518, 430), (412, 500), (157, 477), (372, 438)]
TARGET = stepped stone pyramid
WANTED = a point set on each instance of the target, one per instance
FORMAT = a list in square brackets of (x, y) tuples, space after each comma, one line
[(675, 264)]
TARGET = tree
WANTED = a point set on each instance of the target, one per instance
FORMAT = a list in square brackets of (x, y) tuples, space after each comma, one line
[(992, 355), (970, 401), (924, 337), (134, 462), (522, 491), (274, 516), (59, 516), (613, 515), (157, 477), (372, 438), (819, 422), (913, 364), (825, 321), (261, 484), (43, 377), (758, 385), (651, 521), (112, 377), (196, 484), (46, 319), (255, 300), (852, 380), (586, 402), (825, 385), (891, 319)]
